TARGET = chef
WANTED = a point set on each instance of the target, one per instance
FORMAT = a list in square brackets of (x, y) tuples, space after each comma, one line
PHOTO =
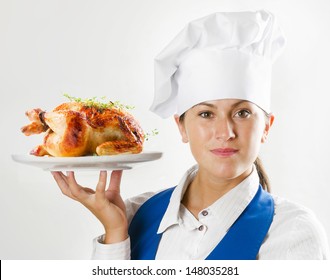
[(215, 79)]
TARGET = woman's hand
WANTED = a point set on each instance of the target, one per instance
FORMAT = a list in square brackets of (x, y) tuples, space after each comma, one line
[(106, 204)]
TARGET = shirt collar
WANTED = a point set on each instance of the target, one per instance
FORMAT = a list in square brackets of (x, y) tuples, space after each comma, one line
[(234, 202)]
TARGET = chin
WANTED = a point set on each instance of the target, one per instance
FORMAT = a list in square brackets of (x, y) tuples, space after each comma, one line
[(227, 171), (223, 171), (226, 175)]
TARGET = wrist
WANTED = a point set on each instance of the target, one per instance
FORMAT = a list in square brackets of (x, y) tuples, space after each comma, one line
[(115, 236)]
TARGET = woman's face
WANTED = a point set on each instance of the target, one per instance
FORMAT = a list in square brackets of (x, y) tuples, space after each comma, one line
[(225, 136)]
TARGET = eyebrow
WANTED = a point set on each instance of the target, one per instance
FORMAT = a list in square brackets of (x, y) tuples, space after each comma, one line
[(214, 106)]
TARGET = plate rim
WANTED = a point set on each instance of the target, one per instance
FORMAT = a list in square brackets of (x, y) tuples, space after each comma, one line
[(120, 161)]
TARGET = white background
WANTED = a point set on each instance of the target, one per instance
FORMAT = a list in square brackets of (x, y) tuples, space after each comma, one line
[(106, 48)]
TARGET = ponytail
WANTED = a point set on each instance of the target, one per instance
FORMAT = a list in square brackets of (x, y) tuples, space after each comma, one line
[(263, 178)]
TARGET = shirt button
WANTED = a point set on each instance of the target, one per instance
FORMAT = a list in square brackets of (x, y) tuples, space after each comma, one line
[(201, 228), (205, 212)]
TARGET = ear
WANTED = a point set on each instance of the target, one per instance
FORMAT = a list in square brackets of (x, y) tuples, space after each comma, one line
[(182, 129), (269, 123)]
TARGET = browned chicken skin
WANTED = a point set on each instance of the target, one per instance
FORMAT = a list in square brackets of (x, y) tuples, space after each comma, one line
[(74, 129)]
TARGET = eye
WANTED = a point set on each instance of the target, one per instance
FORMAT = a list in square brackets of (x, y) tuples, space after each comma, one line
[(243, 114), (206, 114)]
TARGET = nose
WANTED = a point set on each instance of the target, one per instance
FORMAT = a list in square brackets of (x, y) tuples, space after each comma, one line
[(224, 130)]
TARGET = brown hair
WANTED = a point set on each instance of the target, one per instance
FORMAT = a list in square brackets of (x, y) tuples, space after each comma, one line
[(263, 177)]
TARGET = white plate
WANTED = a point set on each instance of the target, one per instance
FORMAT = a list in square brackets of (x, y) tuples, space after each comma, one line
[(116, 162)]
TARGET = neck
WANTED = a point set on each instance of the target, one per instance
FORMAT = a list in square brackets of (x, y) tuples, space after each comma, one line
[(204, 190)]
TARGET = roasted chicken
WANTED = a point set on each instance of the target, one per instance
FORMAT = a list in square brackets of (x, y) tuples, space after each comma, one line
[(75, 129)]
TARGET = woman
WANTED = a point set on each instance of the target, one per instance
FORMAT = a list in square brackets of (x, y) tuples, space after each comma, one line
[(214, 77)]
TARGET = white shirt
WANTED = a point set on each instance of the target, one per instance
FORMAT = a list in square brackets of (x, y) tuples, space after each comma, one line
[(295, 233)]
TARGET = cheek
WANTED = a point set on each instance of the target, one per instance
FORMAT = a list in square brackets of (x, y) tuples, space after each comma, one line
[(198, 134), (247, 130), (254, 136), (198, 138)]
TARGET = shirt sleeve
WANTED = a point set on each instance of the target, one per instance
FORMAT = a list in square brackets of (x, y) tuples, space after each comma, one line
[(116, 251), (295, 234), (308, 239)]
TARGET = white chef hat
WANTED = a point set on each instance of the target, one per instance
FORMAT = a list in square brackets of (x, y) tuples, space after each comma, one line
[(220, 56)]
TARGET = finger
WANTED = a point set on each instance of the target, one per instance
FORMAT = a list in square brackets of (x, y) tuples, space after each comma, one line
[(58, 176), (100, 187), (61, 181), (73, 186), (115, 180)]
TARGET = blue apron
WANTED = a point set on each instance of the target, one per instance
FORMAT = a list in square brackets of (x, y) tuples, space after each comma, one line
[(242, 241)]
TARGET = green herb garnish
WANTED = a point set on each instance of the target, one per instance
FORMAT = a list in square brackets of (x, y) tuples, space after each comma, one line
[(99, 102), (153, 132)]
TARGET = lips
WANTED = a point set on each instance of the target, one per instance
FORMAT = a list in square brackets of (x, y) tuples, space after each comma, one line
[(224, 152)]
